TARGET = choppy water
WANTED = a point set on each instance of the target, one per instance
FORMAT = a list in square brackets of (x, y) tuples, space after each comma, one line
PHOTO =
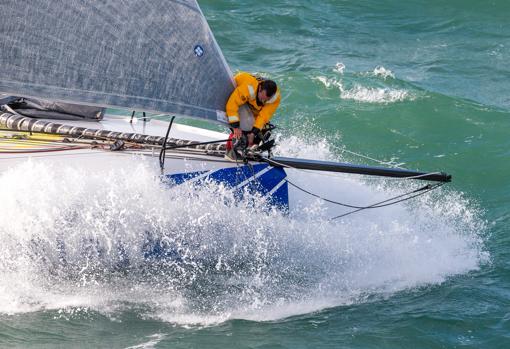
[(424, 84)]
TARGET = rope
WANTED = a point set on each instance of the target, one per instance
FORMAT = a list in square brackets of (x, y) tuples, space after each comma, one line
[(163, 149), (391, 201), (420, 191), (389, 164), (427, 187)]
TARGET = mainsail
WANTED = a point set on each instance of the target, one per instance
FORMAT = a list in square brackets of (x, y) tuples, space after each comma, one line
[(153, 55)]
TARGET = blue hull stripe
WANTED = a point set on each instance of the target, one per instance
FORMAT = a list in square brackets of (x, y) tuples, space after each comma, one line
[(180, 178), (260, 178)]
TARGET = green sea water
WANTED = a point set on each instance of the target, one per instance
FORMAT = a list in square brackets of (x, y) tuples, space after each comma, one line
[(424, 84)]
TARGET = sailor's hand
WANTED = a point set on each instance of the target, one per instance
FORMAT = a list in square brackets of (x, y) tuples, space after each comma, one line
[(238, 133), (251, 138)]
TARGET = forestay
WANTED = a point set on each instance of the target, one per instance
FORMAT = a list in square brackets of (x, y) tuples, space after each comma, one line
[(154, 55)]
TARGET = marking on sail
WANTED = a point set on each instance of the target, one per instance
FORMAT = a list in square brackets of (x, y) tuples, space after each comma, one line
[(199, 51)]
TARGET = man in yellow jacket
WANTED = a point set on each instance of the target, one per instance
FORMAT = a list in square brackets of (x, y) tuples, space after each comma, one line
[(260, 95)]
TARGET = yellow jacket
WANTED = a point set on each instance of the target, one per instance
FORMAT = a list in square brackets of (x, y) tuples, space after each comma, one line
[(246, 93)]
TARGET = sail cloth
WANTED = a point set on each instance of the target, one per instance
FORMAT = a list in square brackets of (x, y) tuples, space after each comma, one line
[(153, 55)]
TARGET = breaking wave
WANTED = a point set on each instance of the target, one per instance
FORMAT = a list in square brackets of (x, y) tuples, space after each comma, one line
[(76, 241), (360, 87)]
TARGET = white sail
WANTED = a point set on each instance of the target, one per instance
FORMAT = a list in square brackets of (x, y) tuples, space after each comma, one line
[(154, 55)]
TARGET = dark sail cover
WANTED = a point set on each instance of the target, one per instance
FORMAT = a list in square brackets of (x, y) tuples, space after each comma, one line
[(154, 55)]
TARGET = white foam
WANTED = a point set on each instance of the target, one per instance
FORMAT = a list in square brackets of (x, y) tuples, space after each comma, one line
[(363, 94), (329, 82), (339, 68), (383, 72), (375, 95), (73, 241), (360, 92), (151, 343)]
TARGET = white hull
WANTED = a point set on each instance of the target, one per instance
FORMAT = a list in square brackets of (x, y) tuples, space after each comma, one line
[(179, 165)]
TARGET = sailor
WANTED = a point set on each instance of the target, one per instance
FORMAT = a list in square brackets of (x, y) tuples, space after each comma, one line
[(261, 96)]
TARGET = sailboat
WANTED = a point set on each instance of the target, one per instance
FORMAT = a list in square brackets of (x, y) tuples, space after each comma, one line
[(64, 62)]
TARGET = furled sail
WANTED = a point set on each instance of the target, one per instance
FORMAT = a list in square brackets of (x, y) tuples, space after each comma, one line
[(153, 55)]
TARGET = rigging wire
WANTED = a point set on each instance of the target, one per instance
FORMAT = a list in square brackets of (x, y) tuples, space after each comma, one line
[(386, 163), (419, 192), (427, 188), (391, 201)]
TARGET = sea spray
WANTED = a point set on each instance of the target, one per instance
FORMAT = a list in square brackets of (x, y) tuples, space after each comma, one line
[(123, 239)]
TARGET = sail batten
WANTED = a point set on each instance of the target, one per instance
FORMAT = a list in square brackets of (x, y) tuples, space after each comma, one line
[(154, 55)]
